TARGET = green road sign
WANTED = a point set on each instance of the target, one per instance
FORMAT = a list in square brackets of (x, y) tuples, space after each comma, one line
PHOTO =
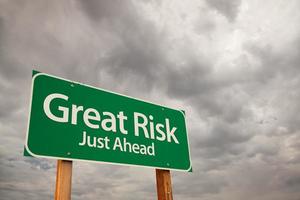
[(73, 121)]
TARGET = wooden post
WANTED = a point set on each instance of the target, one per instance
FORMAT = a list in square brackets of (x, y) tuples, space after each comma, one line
[(163, 184), (63, 180)]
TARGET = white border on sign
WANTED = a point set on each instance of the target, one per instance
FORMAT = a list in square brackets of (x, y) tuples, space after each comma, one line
[(92, 161)]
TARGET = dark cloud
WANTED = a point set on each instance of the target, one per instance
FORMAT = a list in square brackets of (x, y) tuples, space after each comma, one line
[(139, 55), (293, 183), (198, 187), (240, 92), (224, 135), (229, 9), (273, 62), (190, 81), (40, 164), (105, 9), (139, 52)]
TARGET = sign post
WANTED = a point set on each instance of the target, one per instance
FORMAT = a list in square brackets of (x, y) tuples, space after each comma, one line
[(164, 184), (70, 121), (63, 180)]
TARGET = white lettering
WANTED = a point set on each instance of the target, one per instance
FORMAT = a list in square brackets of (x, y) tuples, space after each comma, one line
[(121, 118), (162, 136), (170, 134), (75, 110), (142, 125), (64, 110), (111, 121), (87, 117)]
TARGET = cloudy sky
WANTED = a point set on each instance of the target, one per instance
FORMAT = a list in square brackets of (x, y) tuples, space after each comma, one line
[(233, 66)]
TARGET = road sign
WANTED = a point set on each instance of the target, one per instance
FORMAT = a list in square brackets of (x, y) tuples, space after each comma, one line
[(73, 121)]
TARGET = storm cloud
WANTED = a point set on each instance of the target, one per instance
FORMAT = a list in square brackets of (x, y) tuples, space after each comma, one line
[(233, 66)]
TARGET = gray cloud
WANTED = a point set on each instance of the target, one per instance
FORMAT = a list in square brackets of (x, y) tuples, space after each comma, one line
[(293, 183), (229, 9), (99, 10), (238, 84)]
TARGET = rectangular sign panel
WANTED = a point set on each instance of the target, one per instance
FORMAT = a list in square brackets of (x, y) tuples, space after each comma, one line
[(73, 121)]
